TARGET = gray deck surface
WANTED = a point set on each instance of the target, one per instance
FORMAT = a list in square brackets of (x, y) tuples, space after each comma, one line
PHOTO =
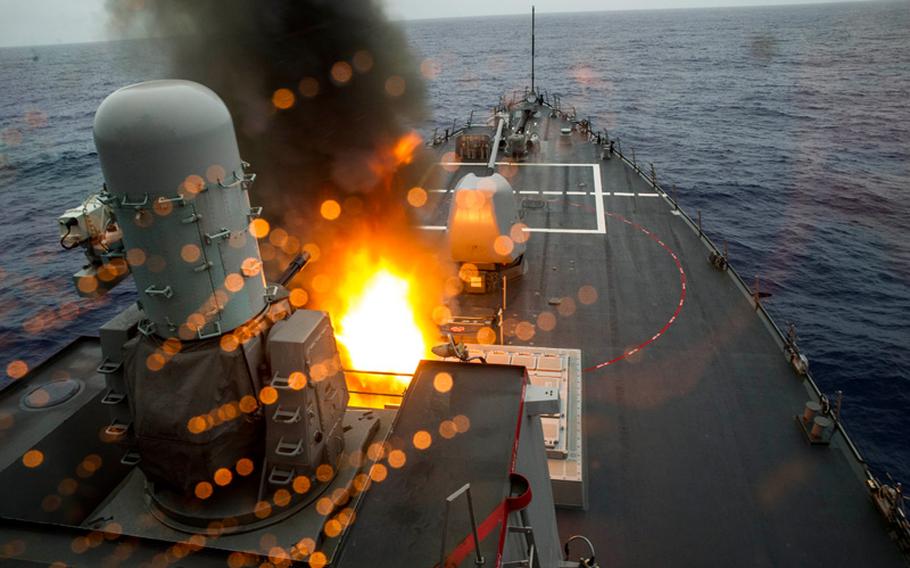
[(695, 458)]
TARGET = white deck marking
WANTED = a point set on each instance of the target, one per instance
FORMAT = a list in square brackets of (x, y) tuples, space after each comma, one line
[(528, 230), (521, 164), (439, 190), (649, 195), (598, 195), (599, 200), (623, 194)]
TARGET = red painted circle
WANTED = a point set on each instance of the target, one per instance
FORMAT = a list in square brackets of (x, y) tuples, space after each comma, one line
[(679, 305)]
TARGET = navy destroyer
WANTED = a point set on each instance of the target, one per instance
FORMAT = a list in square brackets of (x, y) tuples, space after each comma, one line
[(605, 389)]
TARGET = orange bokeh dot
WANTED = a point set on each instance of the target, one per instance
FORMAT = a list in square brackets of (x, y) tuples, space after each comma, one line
[(229, 342), (442, 382), (462, 423), (422, 440), (244, 466), (87, 284), (214, 173), (324, 506), (262, 509), (332, 528), (442, 315), (395, 86), (546, 321), (313, 250), (135, 257), (278, 237), (341, 72), (283, 99), (318, 560), (268, 395), (378, 472), (518, 233), (486, 335), (248, 404), (32, 458), (259, 228), (397, 458), (325, 472), (299, 297), (233, 282), (223, 476), (190, 253), (503, 245), (525, 330), (282, 498), (447, 429), (308, 87), (203, 490), (251, 267), (17, 369), (417, 197), (154, 362), (330, 209), (301, 484), (297, 380), (362, 60), (587, 294), (194, 184), (196, 425)]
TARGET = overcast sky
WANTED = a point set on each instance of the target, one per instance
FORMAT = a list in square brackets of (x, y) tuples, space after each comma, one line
[(36, 22)]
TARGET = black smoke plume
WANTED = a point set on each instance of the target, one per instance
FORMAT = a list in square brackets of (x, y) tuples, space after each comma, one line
[(353, 82)]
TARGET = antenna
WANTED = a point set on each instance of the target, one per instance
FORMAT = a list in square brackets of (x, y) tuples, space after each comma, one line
[(532, 49)]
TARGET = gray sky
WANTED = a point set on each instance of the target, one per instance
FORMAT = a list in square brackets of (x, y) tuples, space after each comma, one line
[(35, 22)]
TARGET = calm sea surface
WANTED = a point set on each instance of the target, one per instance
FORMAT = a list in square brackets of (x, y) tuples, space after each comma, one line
[(787, 127)]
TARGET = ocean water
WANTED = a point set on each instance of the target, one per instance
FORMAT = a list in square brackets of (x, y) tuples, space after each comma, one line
[(788, 128)]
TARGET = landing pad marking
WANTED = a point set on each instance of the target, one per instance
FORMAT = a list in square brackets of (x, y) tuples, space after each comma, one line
[(679, 305), (598, 196)]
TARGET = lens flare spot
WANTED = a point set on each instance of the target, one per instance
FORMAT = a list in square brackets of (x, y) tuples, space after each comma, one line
[(422, 440), (223, 476), (395, 86), (283, 99), (299, 297), (233, 282), (503, 245), (190, 253), (442, 382), (203, 490), (397, 458), (341, 72), (587, 294), (268, 395), (462, 423), (259, 228), (17, 369), (330, 209), (244, 467), (33, 458), (308, 87), (417, 197), (301, 484)]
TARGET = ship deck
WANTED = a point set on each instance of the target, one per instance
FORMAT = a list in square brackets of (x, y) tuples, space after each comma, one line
[(695, 457)]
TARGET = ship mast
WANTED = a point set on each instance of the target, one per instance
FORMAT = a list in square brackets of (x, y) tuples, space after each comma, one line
[(532, 49)]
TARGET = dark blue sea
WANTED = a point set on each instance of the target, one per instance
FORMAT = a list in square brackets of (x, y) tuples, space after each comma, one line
[(788, 128)]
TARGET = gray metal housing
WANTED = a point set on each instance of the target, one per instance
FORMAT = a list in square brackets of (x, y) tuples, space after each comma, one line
[(176, 184)]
